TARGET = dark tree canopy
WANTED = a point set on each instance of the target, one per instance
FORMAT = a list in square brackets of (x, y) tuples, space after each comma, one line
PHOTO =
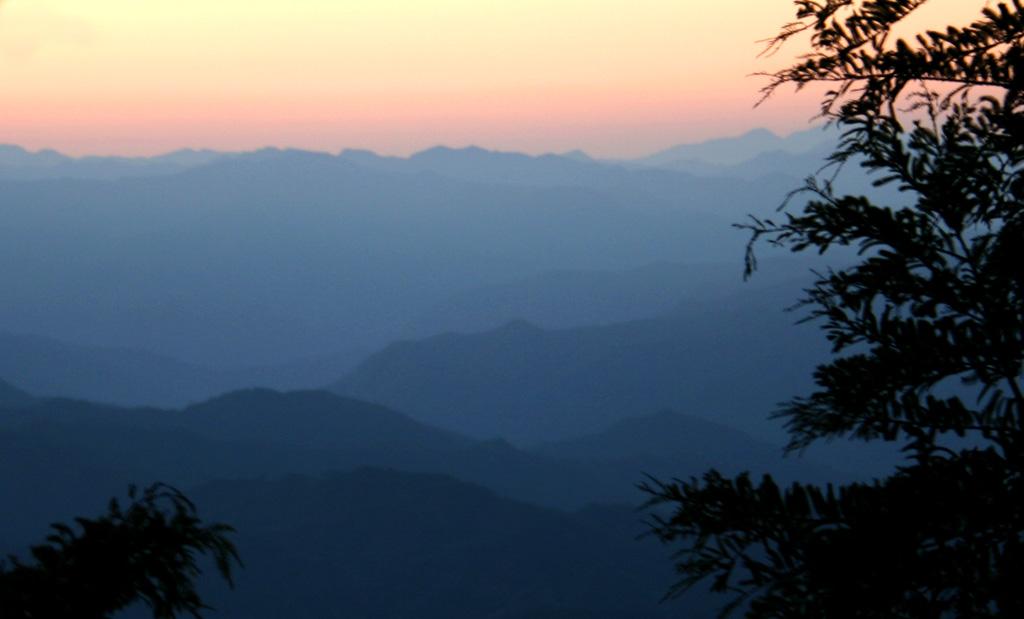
[(927, 330), (146, 552)]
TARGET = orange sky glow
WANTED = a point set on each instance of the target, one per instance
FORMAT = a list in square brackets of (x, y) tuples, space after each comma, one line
[(615, 78)]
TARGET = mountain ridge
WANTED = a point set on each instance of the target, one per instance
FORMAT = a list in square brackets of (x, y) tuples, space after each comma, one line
[(529, 384), (18, 163)]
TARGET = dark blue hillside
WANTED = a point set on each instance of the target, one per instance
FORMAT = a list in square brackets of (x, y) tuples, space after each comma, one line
[(730, 361), (384, 544)]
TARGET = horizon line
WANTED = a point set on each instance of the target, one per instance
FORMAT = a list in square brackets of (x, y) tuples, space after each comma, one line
[(441, 146)]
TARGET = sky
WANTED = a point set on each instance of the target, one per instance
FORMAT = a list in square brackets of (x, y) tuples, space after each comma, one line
[(614, 78)]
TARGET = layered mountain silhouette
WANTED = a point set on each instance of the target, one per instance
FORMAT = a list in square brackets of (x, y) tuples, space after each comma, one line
[(318, 255), (60, 443), (732, 363), (135, 377), (467, 526), (557, 299), (564, 299), (328, 255), (16, 163), (473, 163), (48, 367), (511, 343)]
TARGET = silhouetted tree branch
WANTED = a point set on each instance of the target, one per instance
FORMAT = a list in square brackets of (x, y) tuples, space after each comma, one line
[(927, 330), (146, 552)]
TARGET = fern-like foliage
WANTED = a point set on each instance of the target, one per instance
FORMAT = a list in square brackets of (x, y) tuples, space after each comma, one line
[(147, 551)]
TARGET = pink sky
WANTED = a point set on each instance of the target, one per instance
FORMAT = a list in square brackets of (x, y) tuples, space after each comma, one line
[(614, 78)]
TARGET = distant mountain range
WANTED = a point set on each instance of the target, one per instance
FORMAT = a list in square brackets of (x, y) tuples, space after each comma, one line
[(509, 344), (16, 163), (330, 257), (322, 257), (715, 157)]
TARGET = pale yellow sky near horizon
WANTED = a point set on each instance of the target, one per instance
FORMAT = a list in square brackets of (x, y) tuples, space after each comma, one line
[(618, 78)]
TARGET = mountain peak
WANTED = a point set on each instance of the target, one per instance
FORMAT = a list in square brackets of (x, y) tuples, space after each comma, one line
[(448, 151), (578, 155), (737, 149), (13, 155)]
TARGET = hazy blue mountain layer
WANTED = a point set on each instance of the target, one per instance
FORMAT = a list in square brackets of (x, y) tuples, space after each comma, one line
[(11, 396), (730, 362), (322, 255), (47, 367), (557, 299), (134, 377), (18, 164), (564, 299)]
